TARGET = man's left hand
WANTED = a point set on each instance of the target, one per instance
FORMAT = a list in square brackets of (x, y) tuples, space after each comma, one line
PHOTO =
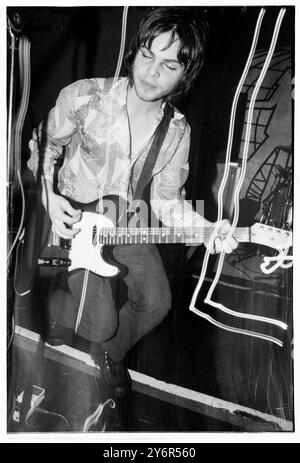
[(222, 241)]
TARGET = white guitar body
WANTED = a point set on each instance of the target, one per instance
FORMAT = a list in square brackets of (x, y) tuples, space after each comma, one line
[(86, 252)]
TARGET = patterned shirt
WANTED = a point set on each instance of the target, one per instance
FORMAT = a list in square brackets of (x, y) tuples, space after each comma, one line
[(90, 120)]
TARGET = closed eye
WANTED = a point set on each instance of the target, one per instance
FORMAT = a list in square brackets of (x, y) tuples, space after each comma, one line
[(145, 55), (170, 67)]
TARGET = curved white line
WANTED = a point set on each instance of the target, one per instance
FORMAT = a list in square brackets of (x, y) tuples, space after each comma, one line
[(237, 330), (237, 192)]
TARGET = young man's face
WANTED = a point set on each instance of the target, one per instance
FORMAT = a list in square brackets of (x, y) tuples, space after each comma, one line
[(157, 71)]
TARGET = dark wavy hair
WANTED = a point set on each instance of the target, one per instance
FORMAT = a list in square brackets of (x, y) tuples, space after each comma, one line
[(192, 36)]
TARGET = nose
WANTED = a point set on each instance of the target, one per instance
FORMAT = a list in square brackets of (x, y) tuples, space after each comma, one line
[(153, 70)]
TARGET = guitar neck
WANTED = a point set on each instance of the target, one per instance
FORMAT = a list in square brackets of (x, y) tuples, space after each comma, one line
[(165, 235), (99, 229)]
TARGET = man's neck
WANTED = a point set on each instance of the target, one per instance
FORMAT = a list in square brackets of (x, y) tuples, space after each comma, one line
[(137, 106)]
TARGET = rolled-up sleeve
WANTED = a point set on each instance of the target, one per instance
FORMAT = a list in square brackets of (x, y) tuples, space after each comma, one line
[(168, 194), (53, 133)]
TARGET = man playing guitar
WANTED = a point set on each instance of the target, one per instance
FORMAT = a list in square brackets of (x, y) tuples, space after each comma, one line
[(106, 129)]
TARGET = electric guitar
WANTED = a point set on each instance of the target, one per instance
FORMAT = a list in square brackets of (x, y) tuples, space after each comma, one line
[(91, 247)]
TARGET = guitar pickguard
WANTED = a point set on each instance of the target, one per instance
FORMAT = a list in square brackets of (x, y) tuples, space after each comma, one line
[(81, 250)]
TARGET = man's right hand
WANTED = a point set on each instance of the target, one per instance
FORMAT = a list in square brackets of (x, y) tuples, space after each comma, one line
[(61, 213)]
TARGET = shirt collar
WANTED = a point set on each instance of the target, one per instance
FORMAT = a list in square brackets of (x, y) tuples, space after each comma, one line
[(119, 91)]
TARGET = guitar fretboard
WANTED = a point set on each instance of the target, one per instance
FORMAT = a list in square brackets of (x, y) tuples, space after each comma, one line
[(161, 235)]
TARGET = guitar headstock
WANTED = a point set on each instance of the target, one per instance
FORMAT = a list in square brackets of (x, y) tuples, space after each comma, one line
[(271, 236)]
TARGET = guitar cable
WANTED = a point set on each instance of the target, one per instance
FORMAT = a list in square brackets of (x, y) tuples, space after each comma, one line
[(46, 412), (107, 153)]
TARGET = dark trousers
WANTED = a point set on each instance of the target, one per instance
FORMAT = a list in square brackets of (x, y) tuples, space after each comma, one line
[(149, 300)]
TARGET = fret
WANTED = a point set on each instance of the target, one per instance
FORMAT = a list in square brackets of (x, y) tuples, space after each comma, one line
[(119, 238), (165, 233), (178, 236), (150, 236), (122, 238), (144, 237), (138, 238)]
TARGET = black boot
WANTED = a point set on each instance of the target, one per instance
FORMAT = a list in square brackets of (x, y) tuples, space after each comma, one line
[(112, 374), (57, 335)]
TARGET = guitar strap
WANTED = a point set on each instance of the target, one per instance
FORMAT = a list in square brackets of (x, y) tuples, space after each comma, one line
[(159, 136)]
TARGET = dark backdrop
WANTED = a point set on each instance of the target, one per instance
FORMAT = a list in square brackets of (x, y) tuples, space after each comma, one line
[(71, 43)]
